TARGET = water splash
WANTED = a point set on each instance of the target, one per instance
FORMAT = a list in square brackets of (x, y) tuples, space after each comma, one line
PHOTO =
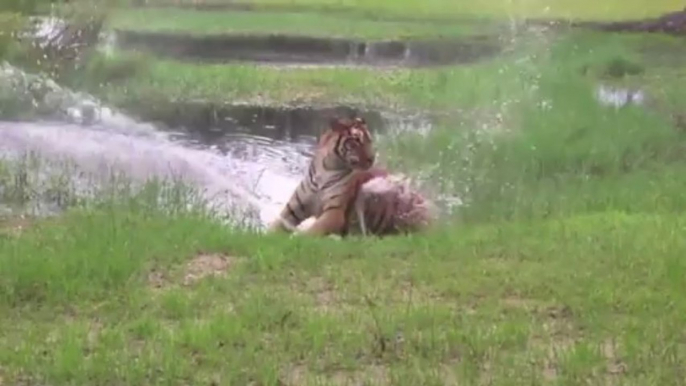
[(619, 97)]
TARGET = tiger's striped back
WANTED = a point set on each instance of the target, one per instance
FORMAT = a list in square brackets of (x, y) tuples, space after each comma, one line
[(326, 192)]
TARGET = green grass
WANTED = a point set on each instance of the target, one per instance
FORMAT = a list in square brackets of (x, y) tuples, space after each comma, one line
[(138, 80), (165, 80), (99, 298), (448, 9), (262, 23)]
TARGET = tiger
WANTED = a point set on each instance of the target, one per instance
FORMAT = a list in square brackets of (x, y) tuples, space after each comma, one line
[(343, 153), (386, 205)]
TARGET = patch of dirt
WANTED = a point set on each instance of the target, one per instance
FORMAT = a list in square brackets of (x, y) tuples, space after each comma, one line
[(516, 302), (615, 366), (328, 299), (364, 375), (324, 294), (200, 267), (321, 291), (93, 337), (374, 374), (557, 335), (206, 265), (13, 226), (157, 279), (294, 375)]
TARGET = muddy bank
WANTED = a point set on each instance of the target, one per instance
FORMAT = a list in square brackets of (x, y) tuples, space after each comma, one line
[(304, 50), (673, 23)]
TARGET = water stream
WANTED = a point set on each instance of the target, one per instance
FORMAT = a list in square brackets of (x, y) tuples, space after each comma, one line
[(250, 165)]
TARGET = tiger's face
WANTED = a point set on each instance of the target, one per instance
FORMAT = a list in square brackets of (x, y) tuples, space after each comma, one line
[(354, 143)]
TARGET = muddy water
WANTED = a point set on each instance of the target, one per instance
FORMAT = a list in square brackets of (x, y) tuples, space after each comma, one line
[(253, 167)]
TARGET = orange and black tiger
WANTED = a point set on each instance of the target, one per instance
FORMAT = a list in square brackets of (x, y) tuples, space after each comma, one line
[(344, 152)]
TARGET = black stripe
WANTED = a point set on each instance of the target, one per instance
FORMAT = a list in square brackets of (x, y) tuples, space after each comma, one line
[(331, 207), (297, 197), (292, 212), (339, 150), (305, 188), (336, 149), (336, 179), (311, 174), (335, 196)]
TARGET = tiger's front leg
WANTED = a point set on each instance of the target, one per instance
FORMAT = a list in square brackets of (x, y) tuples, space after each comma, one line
[(296, 210), (279, 225), (331, 222)]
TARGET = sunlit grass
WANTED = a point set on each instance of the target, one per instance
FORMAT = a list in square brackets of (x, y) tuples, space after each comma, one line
[(446, 9), (166, 79), (262, 23), (579, 58)]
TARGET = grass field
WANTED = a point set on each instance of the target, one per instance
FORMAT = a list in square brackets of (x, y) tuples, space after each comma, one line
[(260, 23), (111, 297), (448, 9), (565, 267)]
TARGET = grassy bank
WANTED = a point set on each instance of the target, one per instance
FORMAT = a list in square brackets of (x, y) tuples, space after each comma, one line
[(123, 296), (134, 290), (581, 57), (261, 23), (449, 9)]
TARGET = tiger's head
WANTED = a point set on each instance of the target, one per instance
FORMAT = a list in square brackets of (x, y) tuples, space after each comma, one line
[(352, 142)]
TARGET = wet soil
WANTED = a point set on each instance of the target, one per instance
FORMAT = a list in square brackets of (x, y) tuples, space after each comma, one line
[(301, 49)]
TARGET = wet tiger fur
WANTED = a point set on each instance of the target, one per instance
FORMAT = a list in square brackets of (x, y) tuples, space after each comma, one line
[(328, 190), (386, 204)]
